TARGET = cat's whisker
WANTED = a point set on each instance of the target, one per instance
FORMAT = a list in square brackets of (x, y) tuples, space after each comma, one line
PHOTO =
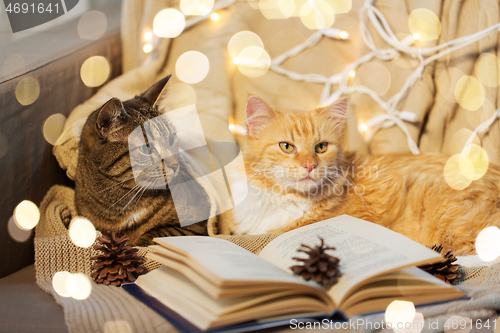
[(152, 184), (135, 195), (107, 188), (132, 189), (126, 194)]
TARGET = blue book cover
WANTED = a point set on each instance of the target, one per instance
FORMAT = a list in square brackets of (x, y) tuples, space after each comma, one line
[(185, 326)]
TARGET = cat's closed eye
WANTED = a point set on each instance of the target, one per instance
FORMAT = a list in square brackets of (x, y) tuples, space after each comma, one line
[(321, 147), (287, 147)]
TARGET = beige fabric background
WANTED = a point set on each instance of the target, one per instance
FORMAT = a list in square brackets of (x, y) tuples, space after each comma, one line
[(221, 96)]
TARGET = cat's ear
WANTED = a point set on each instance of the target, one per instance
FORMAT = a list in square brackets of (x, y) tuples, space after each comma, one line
[(154, 93), (337, 111), (257, 114), (108, 116)]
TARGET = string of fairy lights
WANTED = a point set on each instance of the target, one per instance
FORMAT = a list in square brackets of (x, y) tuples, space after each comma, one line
[(253, 60)]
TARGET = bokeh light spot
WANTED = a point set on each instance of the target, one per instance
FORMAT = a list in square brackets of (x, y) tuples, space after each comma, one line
[(169, 23), (92, 25), (469, 93), (148, 36), (241, 41), (147, 48), (340, 6), (95, 71), (214, 17), (59, 283), (487, 69), (446, 79), (271, 9), (286, 7), (458, 172), (375, 76), (18, 234), (192, 67), (319, 17), (425, 23), (26, 215), (82, 232), (479, 159), (196, 7), (53, 127), (459, 139), (78, 286), (475, 118), (399, 312), (27, 90), (487, 244), (254, 62)]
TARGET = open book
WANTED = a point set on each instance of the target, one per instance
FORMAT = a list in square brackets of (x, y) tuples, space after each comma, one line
[(212, 283)]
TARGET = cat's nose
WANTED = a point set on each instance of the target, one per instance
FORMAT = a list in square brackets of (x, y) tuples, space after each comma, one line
[(174, 166), (309, 166)]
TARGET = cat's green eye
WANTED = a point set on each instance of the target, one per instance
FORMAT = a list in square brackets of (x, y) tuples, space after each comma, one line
[(286, 147), (321, 147), (145, 149)]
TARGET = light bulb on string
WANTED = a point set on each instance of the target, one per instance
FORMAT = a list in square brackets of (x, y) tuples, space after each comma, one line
[(363, 127), (352, 74), (335, 33), (236, 60), (231, 127), (416, 36), (214, 17), (343, 34)]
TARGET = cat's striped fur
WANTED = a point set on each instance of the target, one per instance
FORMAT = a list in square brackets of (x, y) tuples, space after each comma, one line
[(106, 191), (406, 193)]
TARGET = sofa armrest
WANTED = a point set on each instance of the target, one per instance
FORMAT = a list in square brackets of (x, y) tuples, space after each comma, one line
[(27, 165)]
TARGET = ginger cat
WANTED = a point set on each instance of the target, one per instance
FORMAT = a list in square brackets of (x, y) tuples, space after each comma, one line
[(298, 174)]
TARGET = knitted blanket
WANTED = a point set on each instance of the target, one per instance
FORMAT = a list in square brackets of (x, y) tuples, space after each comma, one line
[(111, 309)]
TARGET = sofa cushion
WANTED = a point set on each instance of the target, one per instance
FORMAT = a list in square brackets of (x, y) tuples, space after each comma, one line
[(24, 307), (27, 166)]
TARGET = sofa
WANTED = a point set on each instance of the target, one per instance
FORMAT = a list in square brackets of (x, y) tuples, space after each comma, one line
[(27, 165)]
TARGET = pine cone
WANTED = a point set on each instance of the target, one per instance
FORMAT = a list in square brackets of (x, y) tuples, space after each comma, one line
[(445, 270), (319, 266), (118, 264)]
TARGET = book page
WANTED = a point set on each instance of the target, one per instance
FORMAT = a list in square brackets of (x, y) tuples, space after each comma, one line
[(228, 261), (365, 250)]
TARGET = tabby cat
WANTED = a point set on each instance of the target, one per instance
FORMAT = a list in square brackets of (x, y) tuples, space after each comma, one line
[(298, 174), (106, 190)]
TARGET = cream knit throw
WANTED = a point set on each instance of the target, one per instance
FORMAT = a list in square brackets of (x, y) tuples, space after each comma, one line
[(108, 308), (111, 309)]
